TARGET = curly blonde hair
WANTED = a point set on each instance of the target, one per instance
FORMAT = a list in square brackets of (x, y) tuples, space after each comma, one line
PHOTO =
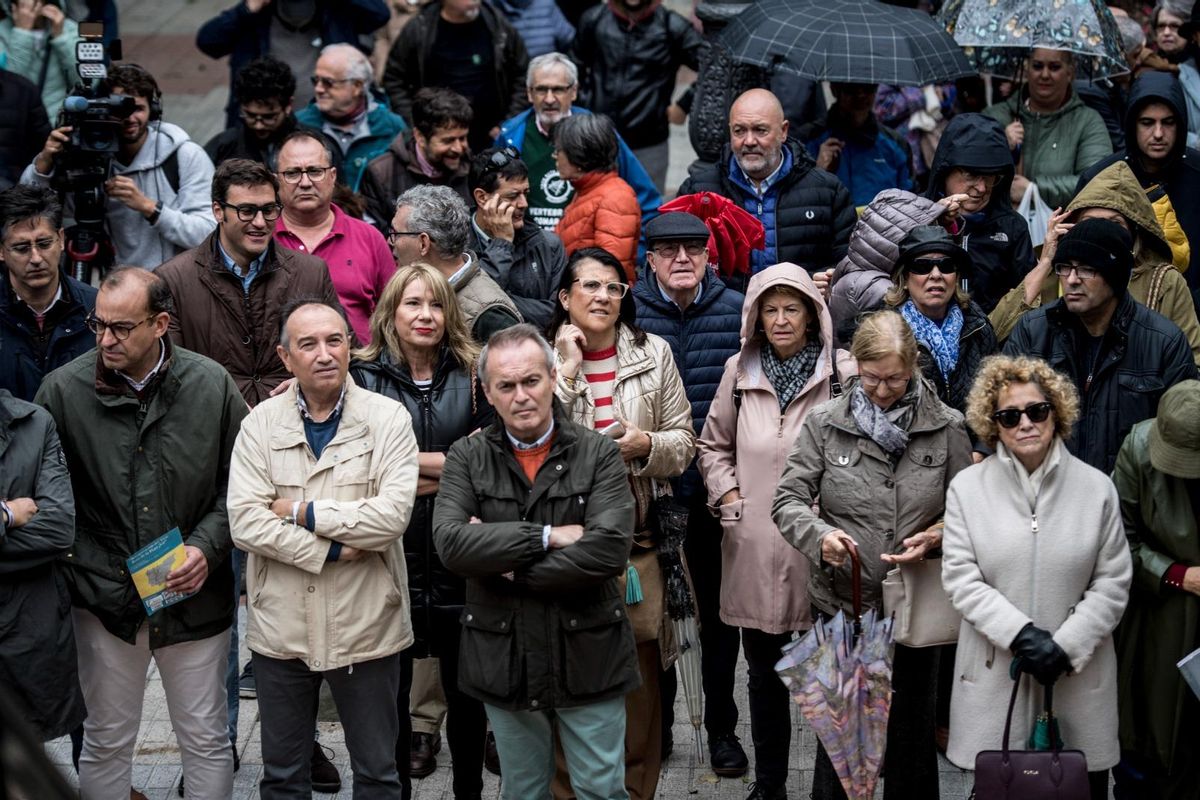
[(998, 372)]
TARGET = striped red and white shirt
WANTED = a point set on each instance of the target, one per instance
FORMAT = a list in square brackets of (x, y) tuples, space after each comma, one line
[(600, 370)]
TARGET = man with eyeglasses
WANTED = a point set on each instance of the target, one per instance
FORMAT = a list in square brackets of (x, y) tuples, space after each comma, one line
[(1121, 356), (230, 290), (524, 260), (349, 109), (680, 299), (357, 255), (434, 152), (147, 429), (970, 173), (42, 308), (432, 224), (551, 86)]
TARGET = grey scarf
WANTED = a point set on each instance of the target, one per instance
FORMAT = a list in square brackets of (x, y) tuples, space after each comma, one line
[(888, 429), (789, 376)]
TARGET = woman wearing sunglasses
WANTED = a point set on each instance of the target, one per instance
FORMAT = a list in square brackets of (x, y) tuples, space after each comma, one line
[(622, 381), (1035, 560), (952, 331), (879, 459)]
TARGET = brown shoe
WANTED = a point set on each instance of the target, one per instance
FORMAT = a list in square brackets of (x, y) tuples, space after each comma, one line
[(491, 757), (134, 794), (422, 759)]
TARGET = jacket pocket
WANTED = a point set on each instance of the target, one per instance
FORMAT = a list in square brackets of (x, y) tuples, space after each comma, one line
[(597, 649), (488, 660), (97, 578), (1137, 399)]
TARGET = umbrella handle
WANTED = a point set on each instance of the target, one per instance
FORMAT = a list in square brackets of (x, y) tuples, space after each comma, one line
[(855, 578)]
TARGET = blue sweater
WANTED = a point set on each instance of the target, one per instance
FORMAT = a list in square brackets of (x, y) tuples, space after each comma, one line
[(541, 24)]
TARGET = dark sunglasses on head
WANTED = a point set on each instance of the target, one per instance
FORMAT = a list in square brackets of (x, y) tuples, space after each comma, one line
[(1011, 417), (924, 266), (502, 158)]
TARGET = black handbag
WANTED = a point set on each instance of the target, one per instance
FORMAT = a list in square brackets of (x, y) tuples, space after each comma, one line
[(1053, 774)]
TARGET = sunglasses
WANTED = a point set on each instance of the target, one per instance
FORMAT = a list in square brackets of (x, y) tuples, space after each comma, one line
[(502, 158), (924, 266), (1011, 417)]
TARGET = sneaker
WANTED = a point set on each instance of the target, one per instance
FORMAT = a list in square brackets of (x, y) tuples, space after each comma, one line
[(491, 756), (760, 791), (325, 777), (727, 757), (246, 682), (422, 754)]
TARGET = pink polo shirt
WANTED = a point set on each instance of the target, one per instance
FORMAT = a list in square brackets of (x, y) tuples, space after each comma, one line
[(360, 264)]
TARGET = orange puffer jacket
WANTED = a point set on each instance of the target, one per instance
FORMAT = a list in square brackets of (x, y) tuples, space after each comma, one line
[(604, 213)]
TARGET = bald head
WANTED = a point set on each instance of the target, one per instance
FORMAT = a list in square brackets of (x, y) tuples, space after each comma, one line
[(757, 133)]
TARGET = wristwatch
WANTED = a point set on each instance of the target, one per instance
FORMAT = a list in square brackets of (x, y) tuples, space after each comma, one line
[(154, 215)]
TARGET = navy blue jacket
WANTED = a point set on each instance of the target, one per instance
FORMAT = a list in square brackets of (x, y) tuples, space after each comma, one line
[(27, 354), (702, 338), (243, 36)]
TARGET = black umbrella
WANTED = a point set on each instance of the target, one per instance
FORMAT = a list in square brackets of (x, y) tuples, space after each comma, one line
[(849, 41)]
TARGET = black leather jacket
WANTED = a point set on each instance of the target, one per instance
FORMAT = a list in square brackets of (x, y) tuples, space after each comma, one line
[(452, 407)]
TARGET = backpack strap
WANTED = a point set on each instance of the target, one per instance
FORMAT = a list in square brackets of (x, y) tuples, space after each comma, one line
[(170, 168), (1154, 297)]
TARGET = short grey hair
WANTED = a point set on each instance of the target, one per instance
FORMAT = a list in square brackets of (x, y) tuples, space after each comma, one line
[(439, 213), (358, 67), (511, 337), (545, 60), (1133, 38)]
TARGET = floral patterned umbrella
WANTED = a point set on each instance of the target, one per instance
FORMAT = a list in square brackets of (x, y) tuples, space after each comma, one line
[(997, 35)]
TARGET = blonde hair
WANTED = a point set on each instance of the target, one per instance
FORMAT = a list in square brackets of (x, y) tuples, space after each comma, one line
[(383, 321), (898, 294), (883, 334), (999, 372)]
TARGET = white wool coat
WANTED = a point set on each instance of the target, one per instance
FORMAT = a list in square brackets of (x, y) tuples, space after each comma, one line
[(1070, 576)]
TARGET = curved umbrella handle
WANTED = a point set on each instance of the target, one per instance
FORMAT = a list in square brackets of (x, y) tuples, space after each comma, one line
[(855, 578)]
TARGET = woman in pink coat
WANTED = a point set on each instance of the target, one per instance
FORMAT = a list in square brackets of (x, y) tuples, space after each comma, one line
[(784, 369)]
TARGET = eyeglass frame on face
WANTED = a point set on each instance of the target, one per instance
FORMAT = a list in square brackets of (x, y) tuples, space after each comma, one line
[(25, 249), (120, 330), (924, 266), (391, 234), (593, 287), (1009, 418), (1169, 26), (557, 91), (293, 176), (874, 381), (1064, 270), (676, 246), (970, 177), (250, 118), (275, 210), (328, 83)]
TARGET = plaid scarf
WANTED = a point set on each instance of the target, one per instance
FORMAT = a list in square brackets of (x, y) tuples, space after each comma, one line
[(789, 376)]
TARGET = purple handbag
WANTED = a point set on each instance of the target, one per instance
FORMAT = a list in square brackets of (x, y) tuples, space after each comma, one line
[(1053, 774)]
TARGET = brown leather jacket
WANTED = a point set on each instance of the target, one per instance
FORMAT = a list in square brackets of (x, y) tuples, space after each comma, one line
[(239, 331)]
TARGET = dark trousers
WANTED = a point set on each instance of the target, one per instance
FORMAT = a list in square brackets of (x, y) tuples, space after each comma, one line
[(287, 703), (466, 722), (910, 768), (770, 707)]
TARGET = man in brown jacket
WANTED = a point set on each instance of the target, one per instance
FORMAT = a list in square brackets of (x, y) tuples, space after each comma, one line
[(229, 291)]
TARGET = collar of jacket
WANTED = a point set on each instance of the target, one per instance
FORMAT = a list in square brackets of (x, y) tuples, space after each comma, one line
[(9, 299), (1061, 317), (404, 148), (931, 414), (111, 388), (1017, 103), (472, 270), (802, 162), (399, 372), (590, 180), (207, 255), (630, 20), (646, 290), (288, 431), (566, 434)]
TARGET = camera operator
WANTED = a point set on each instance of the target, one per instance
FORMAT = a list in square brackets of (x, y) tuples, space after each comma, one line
[(158, 197)]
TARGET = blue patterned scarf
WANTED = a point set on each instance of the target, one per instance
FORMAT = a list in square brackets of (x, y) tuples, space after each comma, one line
[(942, 340)]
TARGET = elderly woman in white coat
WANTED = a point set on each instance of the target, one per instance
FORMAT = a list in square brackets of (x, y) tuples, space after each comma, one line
[(784, 369), (1035, 560)]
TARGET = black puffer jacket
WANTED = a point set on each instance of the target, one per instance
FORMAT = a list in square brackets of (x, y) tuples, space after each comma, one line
[(813, 212), (627, 68), (451, 408), (996, 238), (976, 342), (1142, 355)]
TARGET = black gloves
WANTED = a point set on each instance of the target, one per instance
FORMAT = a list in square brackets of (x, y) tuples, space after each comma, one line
[(1038, 654)]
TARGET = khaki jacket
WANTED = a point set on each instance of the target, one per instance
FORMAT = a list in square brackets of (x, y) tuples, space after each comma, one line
[(327, 614), (764, 582)]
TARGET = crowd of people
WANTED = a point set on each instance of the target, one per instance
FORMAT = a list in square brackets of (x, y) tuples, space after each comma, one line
[(417, 367)]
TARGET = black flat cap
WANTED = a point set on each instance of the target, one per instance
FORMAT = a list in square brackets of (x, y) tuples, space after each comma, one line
[(676, 226)]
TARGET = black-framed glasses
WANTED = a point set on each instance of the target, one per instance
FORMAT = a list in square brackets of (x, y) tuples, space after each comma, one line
[(25, 249), (1011, 417), (614, 289), (1084, 273), (315, 174), (671, 249), (250, 118), (391, 234), (542, 91), (327, 83), (924, 266), (247, 213), (120, 330)]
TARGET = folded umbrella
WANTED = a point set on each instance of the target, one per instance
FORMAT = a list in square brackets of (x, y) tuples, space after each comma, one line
[(733, 231)]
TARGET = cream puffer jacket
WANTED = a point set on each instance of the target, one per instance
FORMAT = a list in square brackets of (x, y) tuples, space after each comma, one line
[(328, 614)]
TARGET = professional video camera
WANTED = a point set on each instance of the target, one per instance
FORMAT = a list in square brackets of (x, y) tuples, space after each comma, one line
[(96, 117)]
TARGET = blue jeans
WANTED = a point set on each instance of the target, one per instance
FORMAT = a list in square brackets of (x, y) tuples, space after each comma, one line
[(232, 670), (593, 742)]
